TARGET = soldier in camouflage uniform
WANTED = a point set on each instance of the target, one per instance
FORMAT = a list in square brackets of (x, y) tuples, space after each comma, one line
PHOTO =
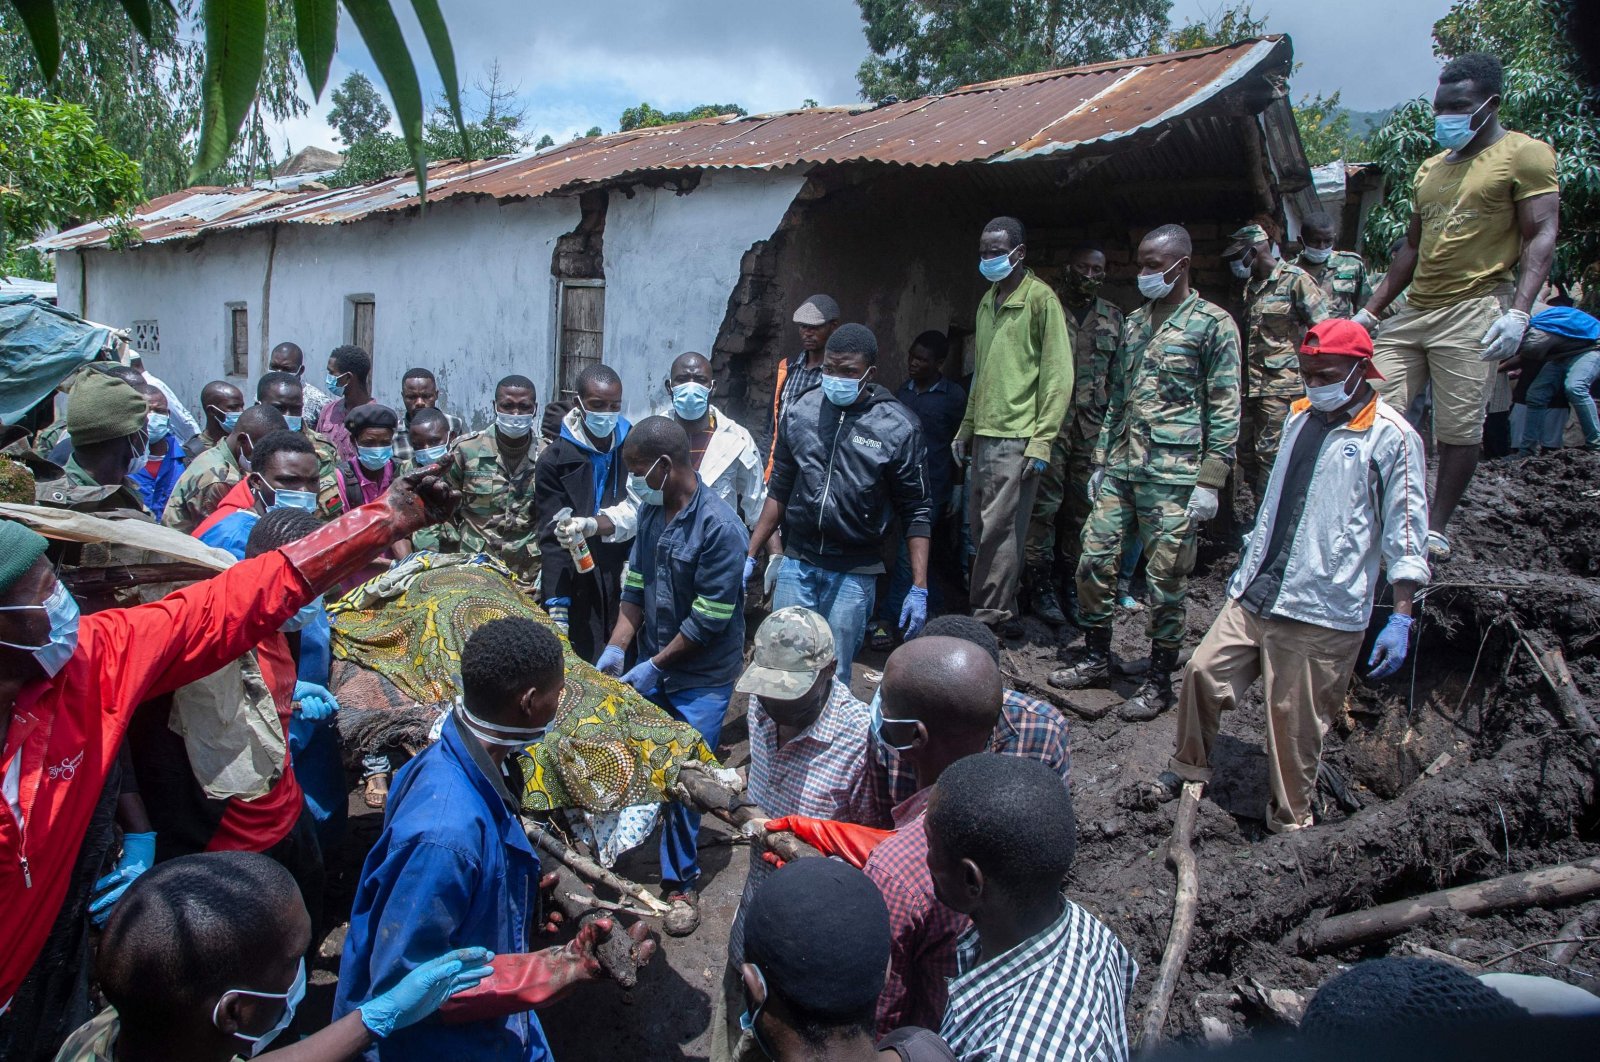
[(1281, 301), (1342, 275), (1164, 450), (212, 475), (1096, 328), (493, 471)]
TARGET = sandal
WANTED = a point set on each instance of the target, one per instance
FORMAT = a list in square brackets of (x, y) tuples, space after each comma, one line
[(376, 793)]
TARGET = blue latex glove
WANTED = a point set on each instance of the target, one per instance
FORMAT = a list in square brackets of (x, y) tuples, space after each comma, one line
[(644, 677), (423, 990), (314, 702), (914, 613), (1389, 651), (138, 856), (749, 568), (611, 661), (1035, 467)]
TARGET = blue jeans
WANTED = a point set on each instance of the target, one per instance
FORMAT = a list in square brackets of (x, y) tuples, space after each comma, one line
[(1580, 378), (1574, 375), (844, 599), (703, 709)]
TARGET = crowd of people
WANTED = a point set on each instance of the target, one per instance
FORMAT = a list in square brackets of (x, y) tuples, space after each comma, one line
[(1090, 442)]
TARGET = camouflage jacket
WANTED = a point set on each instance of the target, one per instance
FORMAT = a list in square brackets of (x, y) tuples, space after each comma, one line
[(1172, 413), (197, 444), (201, 488), (331, 500), (497, 514), (1278, 310), (1344, 280), (1094, 344), (48, 436)]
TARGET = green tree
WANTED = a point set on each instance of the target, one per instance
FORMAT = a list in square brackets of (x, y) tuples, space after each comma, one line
[(644, 116), (55, 170), (544, 142), (1543, 98), (1222, 26), (358, 111), (1325, 130), (594, 130), (922, 47)]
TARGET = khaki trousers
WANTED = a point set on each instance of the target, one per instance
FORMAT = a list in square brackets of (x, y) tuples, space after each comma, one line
[(1305, 670), (1442, 346), (1002, 504)]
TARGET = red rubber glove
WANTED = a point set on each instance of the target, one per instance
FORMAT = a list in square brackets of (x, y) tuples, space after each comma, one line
[(846, 840), (531, 980)]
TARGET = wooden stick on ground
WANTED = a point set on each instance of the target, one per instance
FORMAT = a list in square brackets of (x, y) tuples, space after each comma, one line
[(1564, 952), (1546, 887), (1185, 904), (1552, 667), (589, 870)]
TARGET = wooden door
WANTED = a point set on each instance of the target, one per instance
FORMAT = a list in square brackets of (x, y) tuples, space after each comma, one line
[(583, 315)]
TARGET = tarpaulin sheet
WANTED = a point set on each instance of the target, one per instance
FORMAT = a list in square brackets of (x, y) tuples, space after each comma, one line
[(40, 345)]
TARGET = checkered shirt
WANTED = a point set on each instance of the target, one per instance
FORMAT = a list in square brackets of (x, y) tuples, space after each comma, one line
[(1027, 727), (922, 931), (1060, 996)]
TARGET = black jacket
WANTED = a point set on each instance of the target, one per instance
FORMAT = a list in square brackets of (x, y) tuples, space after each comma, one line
[(841, 473)]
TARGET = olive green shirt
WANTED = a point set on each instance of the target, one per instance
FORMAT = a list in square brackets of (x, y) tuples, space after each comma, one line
[(1022, 371)]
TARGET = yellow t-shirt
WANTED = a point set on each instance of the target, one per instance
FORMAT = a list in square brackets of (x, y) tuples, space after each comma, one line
[(1470, 236)]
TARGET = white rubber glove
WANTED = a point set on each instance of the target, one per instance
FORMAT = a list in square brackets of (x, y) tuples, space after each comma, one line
[(1096, 477), (1366, 320), (1202, 504), (1504, 337), (575, 529), (770, 578)]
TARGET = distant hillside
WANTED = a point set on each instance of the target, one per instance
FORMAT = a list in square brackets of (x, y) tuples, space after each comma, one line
[(1363, 123)]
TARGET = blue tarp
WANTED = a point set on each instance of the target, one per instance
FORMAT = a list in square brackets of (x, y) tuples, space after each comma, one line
[(40, 345)]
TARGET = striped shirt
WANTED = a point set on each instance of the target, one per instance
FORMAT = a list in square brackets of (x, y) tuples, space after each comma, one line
[(1060, 996)]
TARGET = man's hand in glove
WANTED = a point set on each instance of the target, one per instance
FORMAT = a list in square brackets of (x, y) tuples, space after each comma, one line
[(1389, 651), (314, 702), (1096, 477), (769, 579), (1202, 504), (849, 842), (575, 529), (749, 568), (138, 856), (1366, 319), (612, 661), (914, 612), (1504, 337), (423, 990), (1034, 467), (524, 982), (424, 497), (644, 677)]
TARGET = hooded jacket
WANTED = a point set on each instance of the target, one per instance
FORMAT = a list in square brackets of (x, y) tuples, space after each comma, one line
[(841, 472)]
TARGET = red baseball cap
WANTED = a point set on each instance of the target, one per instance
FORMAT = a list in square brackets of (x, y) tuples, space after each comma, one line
[(1345, 338)]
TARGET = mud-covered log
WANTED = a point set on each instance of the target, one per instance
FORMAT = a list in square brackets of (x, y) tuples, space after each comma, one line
[(1546, 887), (1186, 901), (1573, 712), (699, 790)]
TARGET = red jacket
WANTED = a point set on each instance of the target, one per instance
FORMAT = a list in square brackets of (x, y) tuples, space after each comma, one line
[(236, 500), (69, 728)]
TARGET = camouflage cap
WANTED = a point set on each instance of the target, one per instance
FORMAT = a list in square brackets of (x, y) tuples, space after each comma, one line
[(1248, 236), (792, 647)]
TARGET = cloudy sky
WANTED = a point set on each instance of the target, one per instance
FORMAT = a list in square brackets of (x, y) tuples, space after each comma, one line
[(578, 65)]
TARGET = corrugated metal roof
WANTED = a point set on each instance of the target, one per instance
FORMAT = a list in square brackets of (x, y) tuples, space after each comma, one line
[(995, 122)]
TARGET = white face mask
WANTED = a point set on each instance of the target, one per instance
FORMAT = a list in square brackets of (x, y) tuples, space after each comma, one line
[(494, 734), (291, 1000), (1156, 285), (1316, 255), (1325, 398)]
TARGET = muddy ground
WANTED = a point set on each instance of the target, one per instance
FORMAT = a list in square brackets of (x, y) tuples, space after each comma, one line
[(1461, 769)]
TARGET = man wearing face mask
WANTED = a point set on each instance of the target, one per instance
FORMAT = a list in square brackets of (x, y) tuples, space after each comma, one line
[(1348, 493), (848, 453), (1164, 451), (1280, 302), (582, 475), (1018, 402), (1096, 332), (419, 390), (69, 686), (683, 600), (723, 452), (283, 475), (221, 403), (285, 392), (164, 462), (210, 477), (289, 358), (350, 383), (1342, 275), (494, 470), (109, 422), (1478, 249)]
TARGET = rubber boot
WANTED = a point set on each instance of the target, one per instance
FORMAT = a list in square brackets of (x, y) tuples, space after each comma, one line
[(1042, 590), (1092, 668), (1154, 695)]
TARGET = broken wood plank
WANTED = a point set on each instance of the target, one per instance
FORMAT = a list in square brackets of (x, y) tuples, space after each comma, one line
[(1570, 709), (1546, 887), (122, 576), (590, 870), (1180, 854), (1564, 952)]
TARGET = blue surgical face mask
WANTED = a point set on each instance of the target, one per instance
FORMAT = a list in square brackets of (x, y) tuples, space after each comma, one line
[(841, 390), (291, 1000), (53, 655), (1325, 398), (429, 454), (748, 1019), (640, 485), (997, 268), (690, 400), (599, 425), (373, 458), (295, 423), (307, 613), (159, 424), (335, 388), (1156, 285), (513, 425), (1454, 131), (878, 721), (283, 498), (229, 420), (1241, 268)]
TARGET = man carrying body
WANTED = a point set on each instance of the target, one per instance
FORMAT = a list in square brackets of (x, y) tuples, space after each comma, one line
[(1299, 604), (210, 477), (1172, 419), (1281, 301), (1485, 206), (1096, 332), (1020, 395), (350, 384), (220, 404), (285, 392), (847, 452), (684, 600), (723, 452), (816, 318), (1040, 977), (419, 390), (1342, 275), (288, 357)]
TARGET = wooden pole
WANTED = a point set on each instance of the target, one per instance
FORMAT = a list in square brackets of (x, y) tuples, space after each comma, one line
[(1185, 904), (588, 869)]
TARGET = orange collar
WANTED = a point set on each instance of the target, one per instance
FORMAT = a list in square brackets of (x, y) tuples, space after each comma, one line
[(1360, 422)]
